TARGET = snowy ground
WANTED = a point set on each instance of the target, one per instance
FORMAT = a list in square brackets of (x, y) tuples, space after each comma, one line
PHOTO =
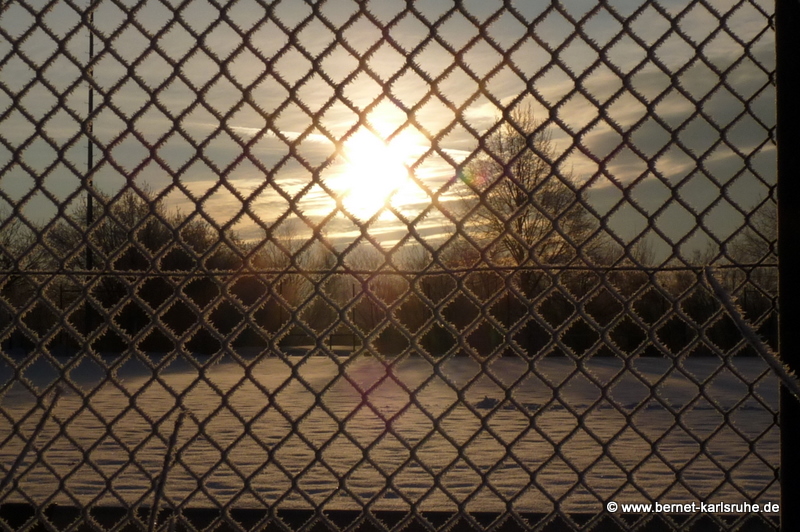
[(262, 436)]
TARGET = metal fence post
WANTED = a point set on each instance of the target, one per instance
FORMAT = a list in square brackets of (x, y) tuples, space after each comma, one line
[(787, 19)]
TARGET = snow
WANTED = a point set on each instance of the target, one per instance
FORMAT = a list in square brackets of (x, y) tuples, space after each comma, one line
[(345, 432)]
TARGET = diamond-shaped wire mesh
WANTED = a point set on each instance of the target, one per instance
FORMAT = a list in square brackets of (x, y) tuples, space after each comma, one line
[(342, 265)]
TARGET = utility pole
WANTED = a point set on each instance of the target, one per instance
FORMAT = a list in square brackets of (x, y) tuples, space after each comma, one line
[(90, 144), (87, 318)]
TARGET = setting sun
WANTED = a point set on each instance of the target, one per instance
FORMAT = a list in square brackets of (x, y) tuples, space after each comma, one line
[(376, 171)]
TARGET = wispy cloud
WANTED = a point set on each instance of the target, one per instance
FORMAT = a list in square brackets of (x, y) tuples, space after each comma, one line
[(289, 125)]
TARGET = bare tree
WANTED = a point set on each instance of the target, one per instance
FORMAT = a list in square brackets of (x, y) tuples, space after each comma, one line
[(19, 249), (515, 201), (757, 244), (295, 266), (756, 284), (132, 229), (20, 253)]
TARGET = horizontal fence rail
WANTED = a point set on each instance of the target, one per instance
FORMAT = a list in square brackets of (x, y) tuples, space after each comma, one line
[(340, 265)]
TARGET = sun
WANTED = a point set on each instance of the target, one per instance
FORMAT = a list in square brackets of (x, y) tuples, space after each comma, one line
[(375, 173)]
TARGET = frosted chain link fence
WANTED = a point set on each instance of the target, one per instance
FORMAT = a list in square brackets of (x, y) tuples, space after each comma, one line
[(344, 265)]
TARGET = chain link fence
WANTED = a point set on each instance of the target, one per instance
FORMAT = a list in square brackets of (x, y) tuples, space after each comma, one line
[(433, 265)]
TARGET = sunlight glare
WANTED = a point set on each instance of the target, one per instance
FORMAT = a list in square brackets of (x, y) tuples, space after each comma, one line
[(376, 171)]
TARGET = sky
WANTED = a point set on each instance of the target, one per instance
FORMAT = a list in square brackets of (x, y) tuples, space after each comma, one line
[(275, 109)]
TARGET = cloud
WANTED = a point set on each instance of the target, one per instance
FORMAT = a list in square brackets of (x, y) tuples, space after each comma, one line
[(287, 122)]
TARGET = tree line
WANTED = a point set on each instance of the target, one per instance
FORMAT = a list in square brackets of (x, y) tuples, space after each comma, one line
[(527, 269)]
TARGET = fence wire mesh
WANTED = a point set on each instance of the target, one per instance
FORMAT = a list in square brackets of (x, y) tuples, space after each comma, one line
[(342, 265)]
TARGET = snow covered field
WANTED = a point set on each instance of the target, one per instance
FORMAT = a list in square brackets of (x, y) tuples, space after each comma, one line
[(281, 426)]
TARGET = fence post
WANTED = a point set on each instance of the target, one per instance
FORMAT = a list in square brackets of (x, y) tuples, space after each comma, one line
[(787, 20)]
